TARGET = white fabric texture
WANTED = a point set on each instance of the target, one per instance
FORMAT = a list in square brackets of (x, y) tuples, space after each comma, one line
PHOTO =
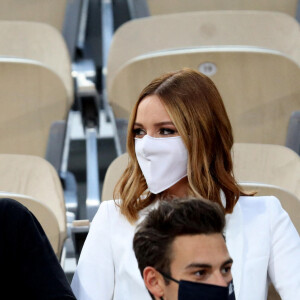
[(260, 238), (163, 161)]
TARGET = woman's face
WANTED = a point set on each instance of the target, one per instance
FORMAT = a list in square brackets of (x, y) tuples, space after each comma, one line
[(152, 119)]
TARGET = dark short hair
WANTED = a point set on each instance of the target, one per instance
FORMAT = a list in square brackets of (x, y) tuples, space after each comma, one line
[(152, 242)]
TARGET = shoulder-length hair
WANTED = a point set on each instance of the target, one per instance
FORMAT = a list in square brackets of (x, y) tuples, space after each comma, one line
[(198, 113)]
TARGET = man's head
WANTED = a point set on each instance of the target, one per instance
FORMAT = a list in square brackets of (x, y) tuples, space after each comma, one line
[(183, 240)]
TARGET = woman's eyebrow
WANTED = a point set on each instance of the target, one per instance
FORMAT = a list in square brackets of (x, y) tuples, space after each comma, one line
[(156, 124), (164, 123)]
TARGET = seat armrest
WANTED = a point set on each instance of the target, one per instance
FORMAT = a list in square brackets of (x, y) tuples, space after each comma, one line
[(55, 144), (79, 232), (293, 134)]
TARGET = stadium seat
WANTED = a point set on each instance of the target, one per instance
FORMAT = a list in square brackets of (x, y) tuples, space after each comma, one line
[(112, 176), (260, 87), (269, 30), (42, 44), (34, 182), (289, 201), (268, 165), (38, 42), (159, 7), (32, 97), (44, 11), (213, 30), (45, 216)]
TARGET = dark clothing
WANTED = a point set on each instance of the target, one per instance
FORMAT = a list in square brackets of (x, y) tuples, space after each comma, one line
[(28, 265)]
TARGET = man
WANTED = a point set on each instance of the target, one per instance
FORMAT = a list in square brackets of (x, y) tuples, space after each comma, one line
[(181, 251), (29, 267)]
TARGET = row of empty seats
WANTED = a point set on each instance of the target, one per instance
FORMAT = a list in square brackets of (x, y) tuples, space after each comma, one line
[(252, 57), (37, 94)]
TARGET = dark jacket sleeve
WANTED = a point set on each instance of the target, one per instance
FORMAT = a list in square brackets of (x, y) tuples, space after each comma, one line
[(29, 265)]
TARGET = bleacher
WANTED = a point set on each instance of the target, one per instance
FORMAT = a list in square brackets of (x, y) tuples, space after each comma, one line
[(71, 71)]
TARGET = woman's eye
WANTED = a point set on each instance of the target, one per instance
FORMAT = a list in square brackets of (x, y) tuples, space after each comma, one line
[(167, 131), (138, 132)]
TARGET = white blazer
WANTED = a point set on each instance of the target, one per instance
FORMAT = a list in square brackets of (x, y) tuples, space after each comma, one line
[(260, 238)]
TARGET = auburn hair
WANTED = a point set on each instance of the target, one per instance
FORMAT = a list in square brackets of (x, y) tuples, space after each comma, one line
[(198, 113)]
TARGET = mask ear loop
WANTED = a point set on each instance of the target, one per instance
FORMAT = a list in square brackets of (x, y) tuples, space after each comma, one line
[(165, 275), (168, 276)]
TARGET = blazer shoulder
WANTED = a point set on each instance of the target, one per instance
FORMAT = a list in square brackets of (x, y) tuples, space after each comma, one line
[(109, 214), (111, 205), (265, 206), (259, 201)]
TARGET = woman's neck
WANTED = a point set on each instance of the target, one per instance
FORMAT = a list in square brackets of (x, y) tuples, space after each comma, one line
[(178, 190)]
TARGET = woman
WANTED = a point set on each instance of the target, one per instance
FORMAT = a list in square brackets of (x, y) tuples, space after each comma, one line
[(179, 142)]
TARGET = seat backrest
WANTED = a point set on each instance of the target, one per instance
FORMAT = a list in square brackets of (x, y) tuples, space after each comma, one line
[(32, 97), (159, 7), (51, 12), (39, 42), (289, 201), (44, 215), (270, 30), (112, 176), (271, 165), (33, 181), (260, 88)]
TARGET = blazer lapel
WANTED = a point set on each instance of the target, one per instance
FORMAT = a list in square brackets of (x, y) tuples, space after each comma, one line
[(235, 244)]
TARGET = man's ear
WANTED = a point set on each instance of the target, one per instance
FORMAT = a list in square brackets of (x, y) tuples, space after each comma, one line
[(154, 282)]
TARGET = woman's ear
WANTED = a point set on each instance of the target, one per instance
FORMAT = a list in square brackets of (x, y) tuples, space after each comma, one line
[(154, 282)]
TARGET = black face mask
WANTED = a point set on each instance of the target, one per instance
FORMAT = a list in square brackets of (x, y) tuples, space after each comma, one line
[(189, 290)]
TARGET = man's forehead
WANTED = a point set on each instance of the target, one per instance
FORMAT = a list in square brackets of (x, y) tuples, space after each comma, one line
[(199, 248)]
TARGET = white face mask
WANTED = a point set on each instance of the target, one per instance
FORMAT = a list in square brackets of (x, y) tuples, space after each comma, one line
[(163, 161)]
